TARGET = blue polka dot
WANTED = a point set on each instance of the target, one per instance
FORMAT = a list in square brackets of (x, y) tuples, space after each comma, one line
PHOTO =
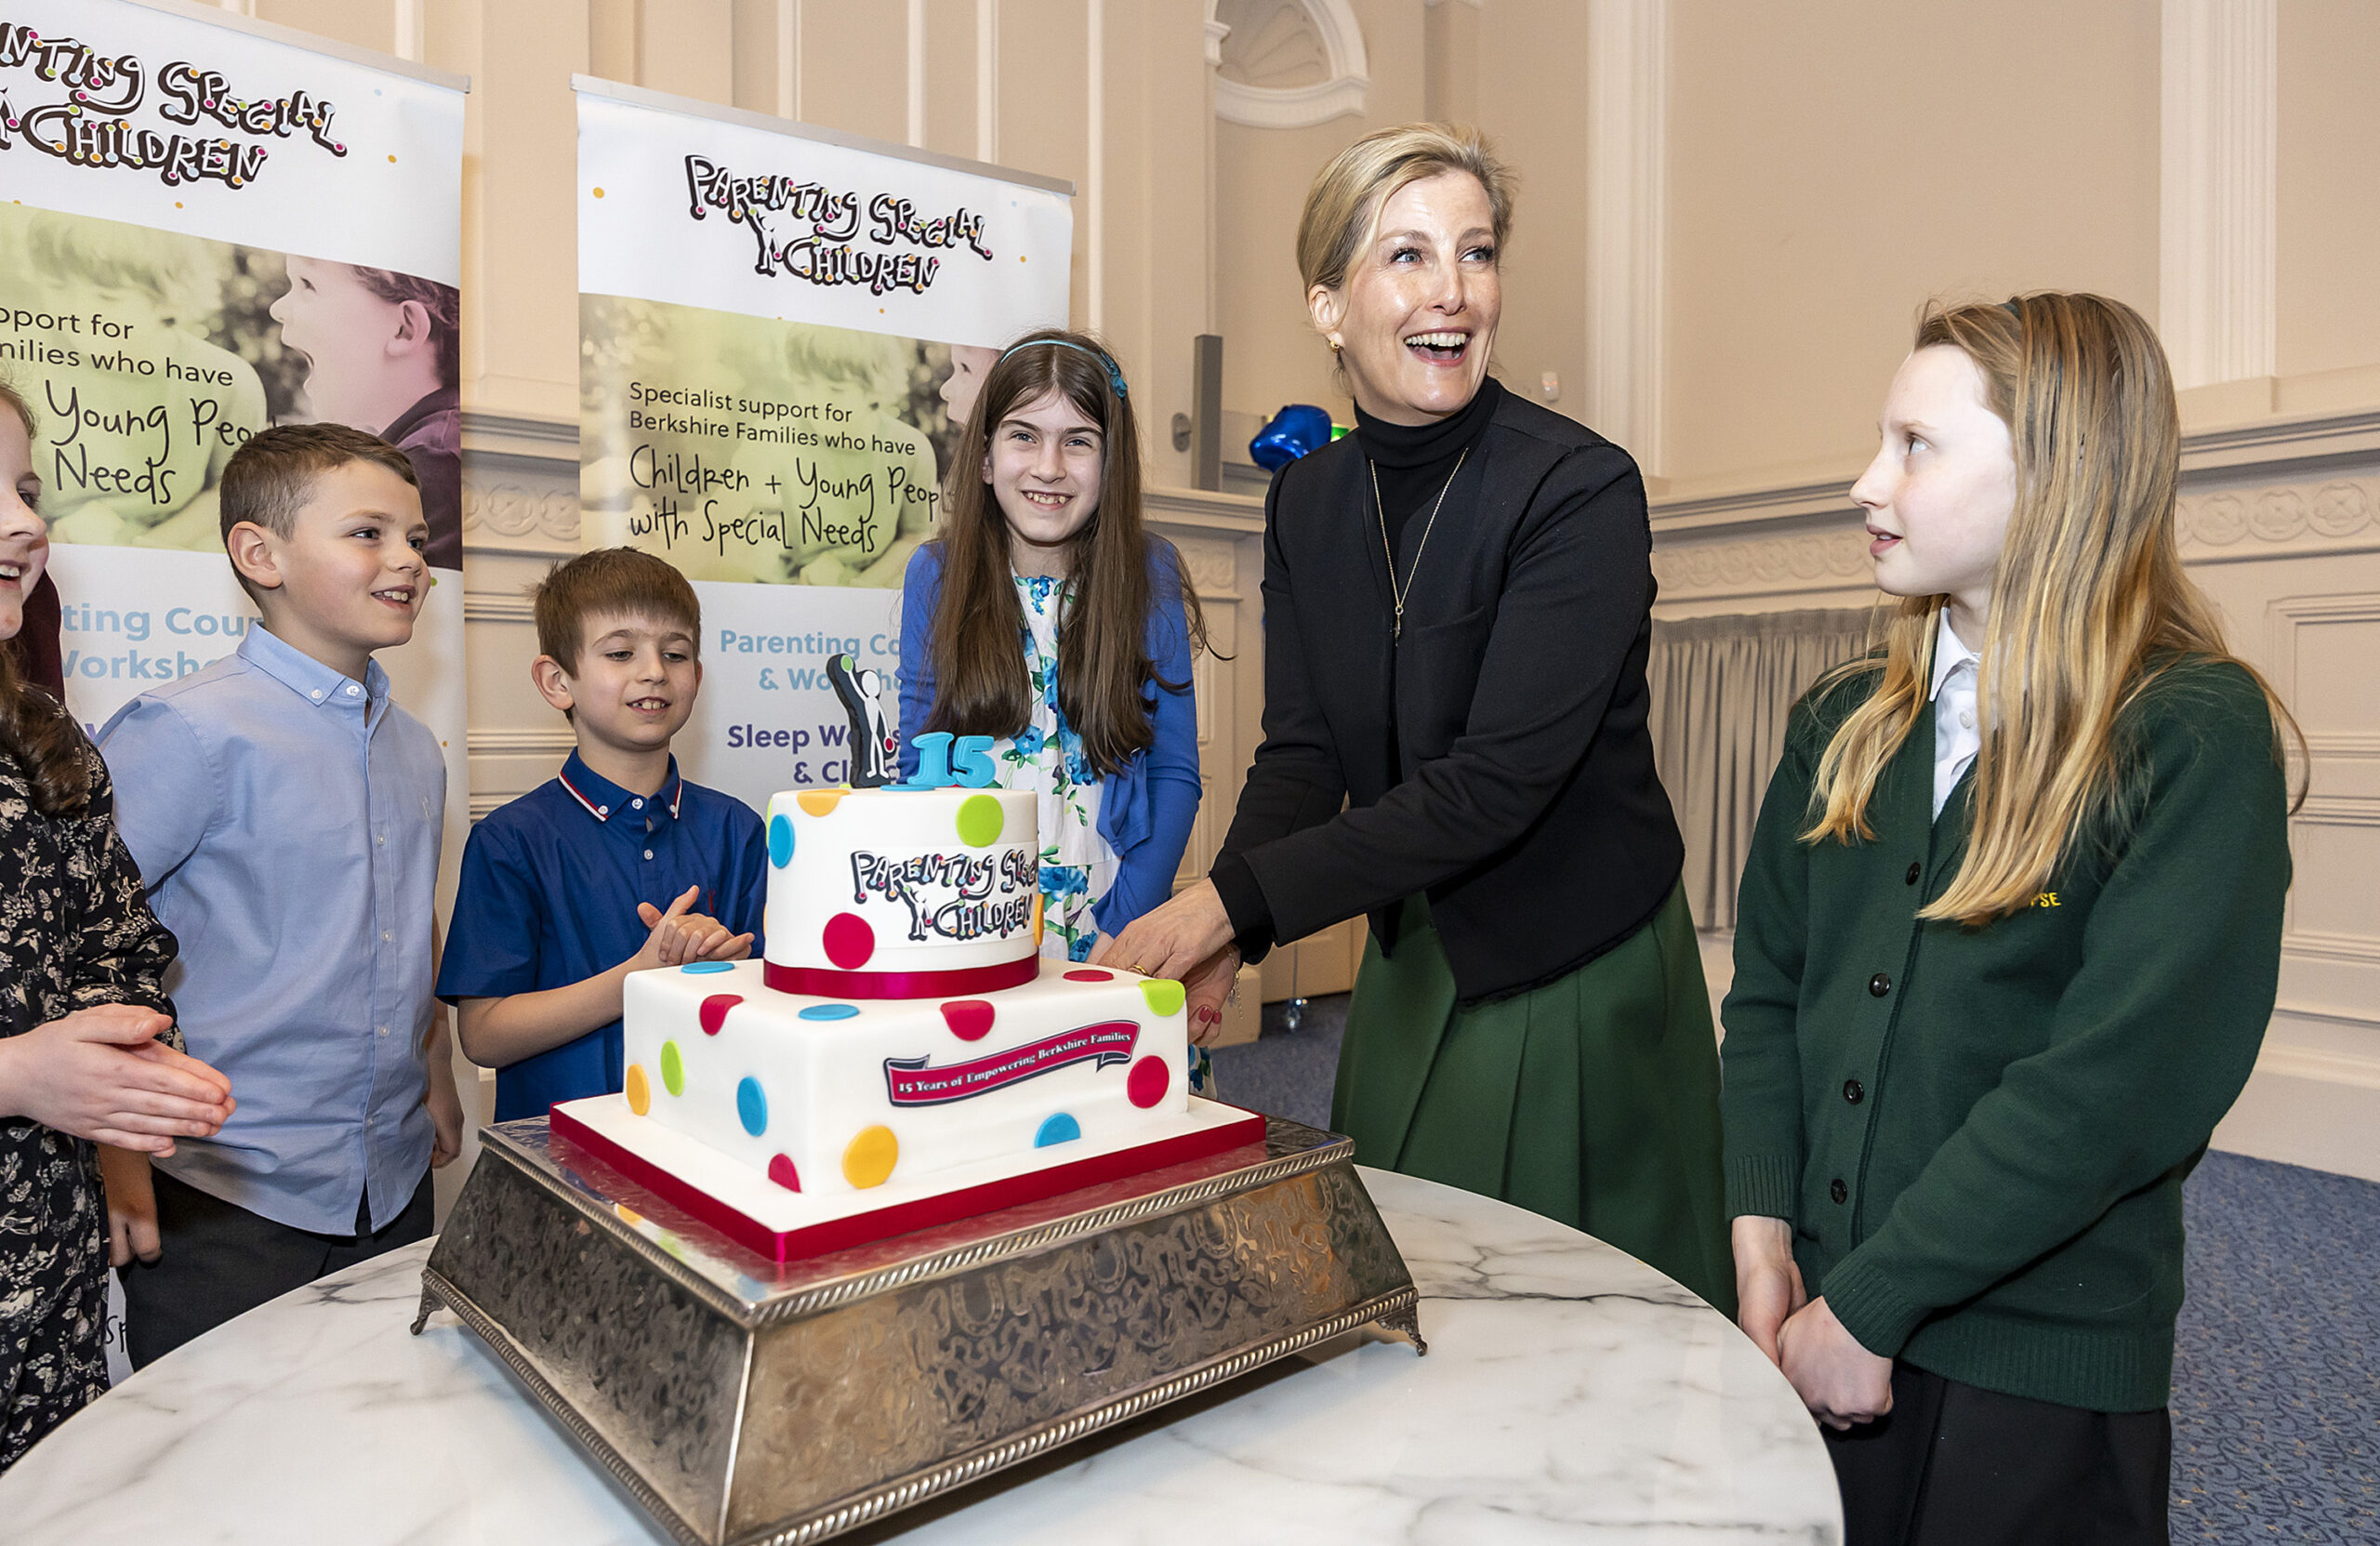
[(780, 842), (752, 1107), (830, 1011), (1061, 1128), (702, 969)]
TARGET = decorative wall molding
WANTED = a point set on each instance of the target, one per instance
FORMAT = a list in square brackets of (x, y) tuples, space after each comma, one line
[(1287, 64), (1213, 564), (2220, 170), (1627, 221), (494, 606), (2341, 811), (557, 742), (2335, 515)]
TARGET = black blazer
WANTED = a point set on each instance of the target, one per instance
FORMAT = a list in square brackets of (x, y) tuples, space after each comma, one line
[(1497, 757)]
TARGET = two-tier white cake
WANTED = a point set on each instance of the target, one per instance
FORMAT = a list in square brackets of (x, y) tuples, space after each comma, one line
[(902, 1040)]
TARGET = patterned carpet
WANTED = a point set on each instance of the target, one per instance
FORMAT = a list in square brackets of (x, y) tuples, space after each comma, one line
[(2276, 1367)]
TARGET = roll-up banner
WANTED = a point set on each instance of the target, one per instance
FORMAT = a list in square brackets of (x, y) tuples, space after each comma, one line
[(209, 225), (781, 330)]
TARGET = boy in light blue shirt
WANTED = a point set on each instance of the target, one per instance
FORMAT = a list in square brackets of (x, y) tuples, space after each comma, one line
[(286, 814)]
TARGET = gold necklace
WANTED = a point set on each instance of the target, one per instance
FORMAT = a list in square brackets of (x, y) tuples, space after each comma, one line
[(1399, 592)]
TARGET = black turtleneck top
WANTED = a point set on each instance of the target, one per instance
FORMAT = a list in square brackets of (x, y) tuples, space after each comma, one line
[(1414, 462)]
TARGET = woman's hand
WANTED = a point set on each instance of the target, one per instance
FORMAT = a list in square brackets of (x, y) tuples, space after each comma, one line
[(1204, 991), (1175, 940), (1839, 1380), (1769, 1281), (132, 1207), (102, 1074)]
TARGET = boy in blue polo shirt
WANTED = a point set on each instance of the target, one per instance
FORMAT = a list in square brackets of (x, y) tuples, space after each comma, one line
[(615, 865)]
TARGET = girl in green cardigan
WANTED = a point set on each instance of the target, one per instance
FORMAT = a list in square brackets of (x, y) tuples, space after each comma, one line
[(2008, 940)]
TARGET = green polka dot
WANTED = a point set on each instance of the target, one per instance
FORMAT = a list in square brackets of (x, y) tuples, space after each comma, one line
[(1163, 994), (979, 821), (673, 1069)]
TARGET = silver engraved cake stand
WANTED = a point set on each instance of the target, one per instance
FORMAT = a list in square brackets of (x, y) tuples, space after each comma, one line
[(740, 1401)]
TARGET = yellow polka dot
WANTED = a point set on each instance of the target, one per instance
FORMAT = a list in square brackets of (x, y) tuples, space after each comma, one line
[(640, 1092), (870, 1158), (819, 802), (1036, 920), (628, 1215), (599, 192)]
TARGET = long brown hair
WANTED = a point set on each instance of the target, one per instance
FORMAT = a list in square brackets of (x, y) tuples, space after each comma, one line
[(1104, 666), (34, 728), (2089, 601)]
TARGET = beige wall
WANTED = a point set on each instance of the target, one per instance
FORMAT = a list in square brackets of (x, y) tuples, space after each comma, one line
[(2329, 190), (1836, 162)]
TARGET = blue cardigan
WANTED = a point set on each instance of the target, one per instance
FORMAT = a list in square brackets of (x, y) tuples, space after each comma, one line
[(1145, 811)]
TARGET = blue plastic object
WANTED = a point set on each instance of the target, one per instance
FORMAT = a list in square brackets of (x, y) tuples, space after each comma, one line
[(1295, 430)]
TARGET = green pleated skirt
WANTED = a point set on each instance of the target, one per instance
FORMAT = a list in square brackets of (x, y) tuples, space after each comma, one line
[(1592, 1100)]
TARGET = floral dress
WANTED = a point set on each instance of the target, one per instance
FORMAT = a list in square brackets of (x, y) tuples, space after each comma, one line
[(1047, 757), (75, 931)]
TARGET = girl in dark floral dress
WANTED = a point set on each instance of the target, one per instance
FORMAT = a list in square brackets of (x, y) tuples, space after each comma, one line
[(88, 1054)]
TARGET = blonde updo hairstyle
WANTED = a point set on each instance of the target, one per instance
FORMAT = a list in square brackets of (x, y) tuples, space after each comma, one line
[(1343, 207)]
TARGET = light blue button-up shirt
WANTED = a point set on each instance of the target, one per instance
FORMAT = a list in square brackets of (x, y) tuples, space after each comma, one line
[(285, 819)]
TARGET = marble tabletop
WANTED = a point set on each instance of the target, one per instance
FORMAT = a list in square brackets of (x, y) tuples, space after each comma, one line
[(1570, 1394)]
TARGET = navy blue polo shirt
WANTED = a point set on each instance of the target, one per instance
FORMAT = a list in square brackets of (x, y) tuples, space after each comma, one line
[(549, 894)]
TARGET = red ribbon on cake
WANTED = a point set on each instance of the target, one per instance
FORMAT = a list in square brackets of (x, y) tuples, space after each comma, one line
[(824, 983)]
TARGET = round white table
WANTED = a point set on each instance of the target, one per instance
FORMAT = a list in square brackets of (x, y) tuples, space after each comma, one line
[(1570, 1392)]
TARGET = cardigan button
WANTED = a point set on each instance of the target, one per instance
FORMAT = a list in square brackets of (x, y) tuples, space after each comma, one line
[(1836, 1190), (1854, 1091), (1880, 985), (1915, 869)]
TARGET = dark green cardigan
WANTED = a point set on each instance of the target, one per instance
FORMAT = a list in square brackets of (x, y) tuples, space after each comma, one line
[(1981, 1134)]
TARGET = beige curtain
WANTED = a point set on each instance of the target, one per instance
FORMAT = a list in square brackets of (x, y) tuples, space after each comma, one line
[(1721, 688)]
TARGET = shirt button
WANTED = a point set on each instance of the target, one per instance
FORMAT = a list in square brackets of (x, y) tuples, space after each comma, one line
[(384, 1030), (1836, 1190), (636, 805), (1915, 869), (603, 809), (648, 853), (1854, 1091), (1880, 985), (352, 689), (384, 934), (381, 839), (1966, 719), (317, 695)]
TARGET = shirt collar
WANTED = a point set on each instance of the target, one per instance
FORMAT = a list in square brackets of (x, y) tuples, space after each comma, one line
[(604, 799), (309, 677), (1949, 652)]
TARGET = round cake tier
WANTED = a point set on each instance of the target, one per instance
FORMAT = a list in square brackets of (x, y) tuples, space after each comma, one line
[(899, 894)]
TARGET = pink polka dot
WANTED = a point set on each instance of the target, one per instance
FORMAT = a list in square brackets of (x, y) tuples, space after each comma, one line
[(1088, 975), (970, 1019), (1148, 1081), (849, 942), (713, 1013), (781, 1170)]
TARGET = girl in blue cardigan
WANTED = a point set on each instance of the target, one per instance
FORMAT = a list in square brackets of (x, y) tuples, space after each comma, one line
[(1046, 617)]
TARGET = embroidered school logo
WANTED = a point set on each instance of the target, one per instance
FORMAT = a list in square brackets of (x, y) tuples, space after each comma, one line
[(909, 1083), (2046, 899)]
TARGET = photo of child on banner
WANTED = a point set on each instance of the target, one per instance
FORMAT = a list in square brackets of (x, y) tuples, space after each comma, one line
[(149, 356), (747, 448)]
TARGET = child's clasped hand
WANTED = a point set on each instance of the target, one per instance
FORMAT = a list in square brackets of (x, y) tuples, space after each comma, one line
[(680, 936)]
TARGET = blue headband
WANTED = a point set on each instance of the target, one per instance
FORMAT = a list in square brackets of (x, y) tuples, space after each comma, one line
[(1114, 376)]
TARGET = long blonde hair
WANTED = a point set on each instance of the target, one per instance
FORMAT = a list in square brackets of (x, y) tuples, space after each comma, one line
[(2089, 602)]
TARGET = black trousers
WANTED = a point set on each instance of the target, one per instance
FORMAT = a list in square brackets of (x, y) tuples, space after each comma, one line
[(1954, 1465), (218, 1261)]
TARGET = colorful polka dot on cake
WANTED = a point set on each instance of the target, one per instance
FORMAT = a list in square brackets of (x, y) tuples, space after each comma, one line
[(969, 1019), (869, 1158), (629, 1216), (1036, 920), (1148, 1081), (781, 1170), (780, 842), (1090, 975), (1164, 994), (712, 1011), (819, 802), (849, 941), (673, 1069), (640, 1092), (1059, 1129), (827, 1012), (980, 820), (752, 1106), (704, 968)]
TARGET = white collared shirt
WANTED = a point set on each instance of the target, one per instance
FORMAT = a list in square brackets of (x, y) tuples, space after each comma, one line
[(1956, 738)]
